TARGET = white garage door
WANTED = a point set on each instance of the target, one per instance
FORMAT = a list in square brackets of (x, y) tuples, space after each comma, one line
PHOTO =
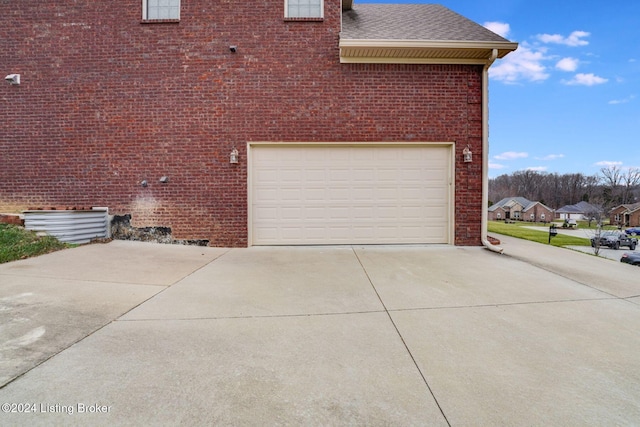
[(350, 194)]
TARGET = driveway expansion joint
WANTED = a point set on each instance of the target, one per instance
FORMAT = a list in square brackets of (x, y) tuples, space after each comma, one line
[(404, 343), (506, 304), (69, 279), (263, 316)]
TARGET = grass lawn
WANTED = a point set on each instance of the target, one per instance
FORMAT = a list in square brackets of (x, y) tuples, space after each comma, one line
[(520, 231), (18, 243)]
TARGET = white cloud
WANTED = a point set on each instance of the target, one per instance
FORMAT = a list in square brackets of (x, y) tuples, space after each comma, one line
[(622, 101), (567, 64), (511, 155), (523, 64), (574, 39), (496, 166), (551, 157), (500, 28), (550, 38), (585, 80), (607, 163), (537, 168)]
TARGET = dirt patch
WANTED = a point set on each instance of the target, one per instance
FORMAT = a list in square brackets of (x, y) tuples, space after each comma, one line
[(121, 229)]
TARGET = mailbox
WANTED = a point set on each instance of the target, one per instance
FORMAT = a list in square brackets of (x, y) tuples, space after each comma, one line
[(553, 232)]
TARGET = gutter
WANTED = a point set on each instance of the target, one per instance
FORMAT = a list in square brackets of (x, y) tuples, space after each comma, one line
[(485, 154)]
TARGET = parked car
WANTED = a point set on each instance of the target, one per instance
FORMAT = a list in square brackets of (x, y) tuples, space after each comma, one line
[(631, 258), (615, 239), (633, 231)]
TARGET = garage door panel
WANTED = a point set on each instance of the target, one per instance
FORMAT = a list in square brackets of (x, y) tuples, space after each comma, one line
[(339, 213), (266, 195), (350, 195), (362, 232), (267, 176), (387, 194), (263, 214), (362, 174), (339, 176), (339, 194), (293, 194), (412, 212), (315, 175), (291, 213), (363, 212), (315, 194), (410, 194)]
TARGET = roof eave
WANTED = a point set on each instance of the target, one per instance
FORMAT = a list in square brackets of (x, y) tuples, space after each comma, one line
[(421, 51)]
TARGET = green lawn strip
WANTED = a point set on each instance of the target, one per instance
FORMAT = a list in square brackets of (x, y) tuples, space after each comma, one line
[(521, 231), (17, 243)]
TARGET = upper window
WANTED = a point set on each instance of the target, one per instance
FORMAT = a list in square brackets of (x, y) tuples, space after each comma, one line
[(160, 9), (304, 8)]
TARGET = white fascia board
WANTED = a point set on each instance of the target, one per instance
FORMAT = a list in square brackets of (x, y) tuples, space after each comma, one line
[(428, 44), (399, 60)]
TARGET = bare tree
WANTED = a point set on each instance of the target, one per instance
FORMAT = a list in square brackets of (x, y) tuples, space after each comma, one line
[(528, 184), (630, 180), (499, 188), (611, 180), (590, 189), (595, 214), (595, 242)]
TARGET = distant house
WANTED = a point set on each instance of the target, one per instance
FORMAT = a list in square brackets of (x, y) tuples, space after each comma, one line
[(579, 211), (625, 215), (520, 209)]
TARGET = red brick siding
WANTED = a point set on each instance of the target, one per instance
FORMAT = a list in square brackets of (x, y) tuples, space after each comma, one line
[(107, 102)]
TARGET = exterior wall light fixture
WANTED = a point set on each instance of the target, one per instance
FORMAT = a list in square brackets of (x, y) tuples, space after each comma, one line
[(467, 155), (13, 79), (233, 157)]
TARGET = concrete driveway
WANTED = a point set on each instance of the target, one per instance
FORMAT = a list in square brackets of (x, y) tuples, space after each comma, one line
[(130, 333)]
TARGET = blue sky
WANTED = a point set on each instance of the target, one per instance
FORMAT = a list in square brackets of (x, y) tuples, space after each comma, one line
[(568, 100)]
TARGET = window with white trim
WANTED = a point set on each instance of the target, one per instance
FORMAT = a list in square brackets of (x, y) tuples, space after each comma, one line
[(154, 10), (303, 8)]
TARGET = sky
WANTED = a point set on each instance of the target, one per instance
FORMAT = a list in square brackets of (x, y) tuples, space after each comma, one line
[(568, 99)]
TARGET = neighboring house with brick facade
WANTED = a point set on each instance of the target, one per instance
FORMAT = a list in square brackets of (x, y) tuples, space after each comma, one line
[(520, 209), (307, 122), (625, 215)]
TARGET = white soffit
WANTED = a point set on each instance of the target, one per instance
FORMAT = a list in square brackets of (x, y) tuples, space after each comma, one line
[(421, 51)]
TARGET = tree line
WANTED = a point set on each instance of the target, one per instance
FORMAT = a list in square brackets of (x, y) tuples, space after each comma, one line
[(611, 187)]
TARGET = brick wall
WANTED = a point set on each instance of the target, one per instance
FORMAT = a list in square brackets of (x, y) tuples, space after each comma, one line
[(107, 102)]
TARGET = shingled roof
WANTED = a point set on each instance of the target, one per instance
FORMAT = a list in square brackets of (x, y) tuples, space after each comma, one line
[(412, 22), (416, 33), (578, 208)]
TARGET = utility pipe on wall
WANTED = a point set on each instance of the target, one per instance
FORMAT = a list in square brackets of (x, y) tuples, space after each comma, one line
[(485, 153)]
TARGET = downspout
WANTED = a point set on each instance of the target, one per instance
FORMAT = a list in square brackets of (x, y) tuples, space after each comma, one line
[(485, 154)]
